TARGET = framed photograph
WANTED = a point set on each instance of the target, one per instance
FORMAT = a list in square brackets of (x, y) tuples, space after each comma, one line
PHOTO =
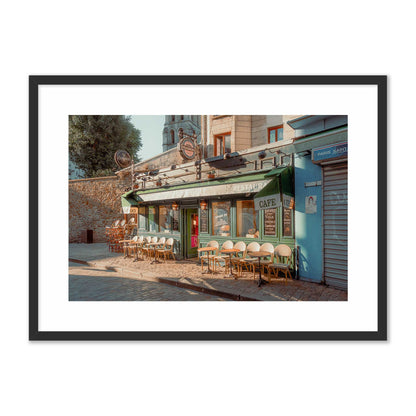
[(152, 217)]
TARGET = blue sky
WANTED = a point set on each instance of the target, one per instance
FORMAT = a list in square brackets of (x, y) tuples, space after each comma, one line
[(151, 128)]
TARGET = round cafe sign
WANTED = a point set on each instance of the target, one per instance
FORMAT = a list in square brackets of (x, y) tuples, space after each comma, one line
[(187, 148)]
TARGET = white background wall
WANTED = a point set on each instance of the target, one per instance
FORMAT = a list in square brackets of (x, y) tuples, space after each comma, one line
[(109, 378)]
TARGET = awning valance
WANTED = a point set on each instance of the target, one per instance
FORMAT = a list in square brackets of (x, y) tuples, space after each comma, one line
[(278, 192), (243, 184)]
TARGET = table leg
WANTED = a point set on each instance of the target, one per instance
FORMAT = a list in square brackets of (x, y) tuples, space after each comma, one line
[(230, 271), (209, 270), (260, 281)]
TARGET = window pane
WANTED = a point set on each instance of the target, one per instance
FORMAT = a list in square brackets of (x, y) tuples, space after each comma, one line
[(175, 220), (220, 149), (247, 220), (142, 218), (272, 136), (164, 219), (227, 139), (287, 222), (152, 219), (221, 222), (280, 133)]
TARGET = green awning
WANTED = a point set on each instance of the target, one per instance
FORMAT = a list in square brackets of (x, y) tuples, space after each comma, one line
[(127, 201), (233, 185), (278, 192)]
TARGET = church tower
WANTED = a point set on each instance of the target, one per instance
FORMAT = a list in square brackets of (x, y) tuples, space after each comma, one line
[(190, 124)]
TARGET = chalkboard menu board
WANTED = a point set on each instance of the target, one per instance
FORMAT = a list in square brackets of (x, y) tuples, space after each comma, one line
[(203, 221), (270, 222), (175, 220), (287, 222)]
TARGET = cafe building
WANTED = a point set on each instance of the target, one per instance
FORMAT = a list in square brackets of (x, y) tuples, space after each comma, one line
[(245, 180)]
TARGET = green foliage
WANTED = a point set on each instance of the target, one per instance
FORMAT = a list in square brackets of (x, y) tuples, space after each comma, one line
[(93, 140)]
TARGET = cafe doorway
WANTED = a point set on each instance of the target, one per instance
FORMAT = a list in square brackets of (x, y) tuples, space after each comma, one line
[(191, 233)]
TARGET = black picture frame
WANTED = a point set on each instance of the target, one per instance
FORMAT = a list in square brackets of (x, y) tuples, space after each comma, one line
[(37, 335)]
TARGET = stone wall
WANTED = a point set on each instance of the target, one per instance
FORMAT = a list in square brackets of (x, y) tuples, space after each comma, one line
[(94, 204)]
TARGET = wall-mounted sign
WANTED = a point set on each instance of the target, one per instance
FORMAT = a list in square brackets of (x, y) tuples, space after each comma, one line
[(187, 148), (330, 152), (310, 204), (270, 222), (203, 221)]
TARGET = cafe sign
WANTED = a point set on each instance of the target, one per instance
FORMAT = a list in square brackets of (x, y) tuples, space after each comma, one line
[(267, 202)]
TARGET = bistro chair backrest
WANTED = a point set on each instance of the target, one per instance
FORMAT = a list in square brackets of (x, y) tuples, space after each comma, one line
[(162, 240), (153, 240), (132, 220), (254, 246), (123, 223), (116, 223), (140, 239), (227, 244), (282, 250), (213, 244), (267, 247), (135, 238), (147, 239), (169, 242), (241, 245)]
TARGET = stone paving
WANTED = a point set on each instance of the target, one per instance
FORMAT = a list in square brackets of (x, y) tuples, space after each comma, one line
[(187, 272), (88, 283)]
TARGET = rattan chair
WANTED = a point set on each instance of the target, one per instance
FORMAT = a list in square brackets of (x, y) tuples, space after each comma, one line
[(235, 261), (247, 261), (204, 257), (167, 250), (222, 257), (281, 252)]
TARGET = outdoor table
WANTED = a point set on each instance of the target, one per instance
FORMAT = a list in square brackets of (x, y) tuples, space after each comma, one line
[(230, 251), (153, 246), (260, 254), (207, 249)]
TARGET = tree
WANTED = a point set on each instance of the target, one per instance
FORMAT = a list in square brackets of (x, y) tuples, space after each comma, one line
[(93, 140)]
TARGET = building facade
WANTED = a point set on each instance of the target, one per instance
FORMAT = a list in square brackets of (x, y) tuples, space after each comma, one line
[(177, 124), (264, 178)]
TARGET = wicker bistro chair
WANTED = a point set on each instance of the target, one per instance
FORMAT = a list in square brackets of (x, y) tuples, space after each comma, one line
[(223, 257), (247, 261), (127, 246), (282, 251), (204, 257), (238, 257), (167, 249), (145, 248), (133, 247)]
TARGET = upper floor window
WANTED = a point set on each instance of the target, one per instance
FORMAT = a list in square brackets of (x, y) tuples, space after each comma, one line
[(275, 134), (172, 137), (222, 144), (181, 117), (172, 118)]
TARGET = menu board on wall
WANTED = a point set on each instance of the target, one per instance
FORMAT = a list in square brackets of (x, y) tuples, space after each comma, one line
[(287, 222), (270, 222), (203, 221), (175, 220)]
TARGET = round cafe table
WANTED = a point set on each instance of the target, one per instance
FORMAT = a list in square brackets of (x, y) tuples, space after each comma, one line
[(152, 246), (207, 250), (230, 252), (259, 255)]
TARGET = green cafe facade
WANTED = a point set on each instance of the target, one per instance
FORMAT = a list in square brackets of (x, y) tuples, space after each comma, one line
[(255, 206), (293, 193)]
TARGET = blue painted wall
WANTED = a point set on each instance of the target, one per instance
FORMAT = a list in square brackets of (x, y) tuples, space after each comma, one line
[(308, 227)]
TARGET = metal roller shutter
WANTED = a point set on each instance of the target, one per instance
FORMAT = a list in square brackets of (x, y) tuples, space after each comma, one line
[(335, 220)]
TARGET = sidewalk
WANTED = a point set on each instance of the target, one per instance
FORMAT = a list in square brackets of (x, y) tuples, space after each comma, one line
[(187, 274)]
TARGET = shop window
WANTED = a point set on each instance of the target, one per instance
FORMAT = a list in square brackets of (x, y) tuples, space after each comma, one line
[(222, 144), (142, 218), (287, 222), (221, 220), (152, 220), (247, 220), (275, 134), (165, 219)]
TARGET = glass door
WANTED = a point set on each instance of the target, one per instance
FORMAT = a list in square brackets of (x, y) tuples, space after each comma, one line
[(191, 233)]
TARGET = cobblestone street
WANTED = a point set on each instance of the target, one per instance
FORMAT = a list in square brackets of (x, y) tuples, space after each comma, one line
[(145, 281), (99, 284)]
